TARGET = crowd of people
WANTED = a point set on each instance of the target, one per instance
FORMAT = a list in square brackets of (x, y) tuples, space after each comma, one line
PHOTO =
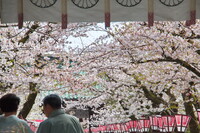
[(57, 120)]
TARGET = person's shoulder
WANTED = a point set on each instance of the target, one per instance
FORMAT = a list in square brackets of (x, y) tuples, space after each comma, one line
[(46, 122), (25, 123), (20, 120), (45, 125), (22, 124), (68, 115), (1, 118), (72, 117)]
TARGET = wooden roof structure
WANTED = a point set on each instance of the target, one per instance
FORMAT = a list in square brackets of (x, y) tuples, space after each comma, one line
[(69, 11)]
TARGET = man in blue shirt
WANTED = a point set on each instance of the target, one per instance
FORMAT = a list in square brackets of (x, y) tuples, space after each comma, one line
[(58, 121), (9, 122)]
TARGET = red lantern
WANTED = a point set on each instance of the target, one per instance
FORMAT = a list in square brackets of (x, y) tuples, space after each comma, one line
[(153, 122), (182, 122), (86, 130), (198, 113), (128, 126), (145, 125), (139, 127), (123, 127), (110, 128), (133, 125), (102, 128), (117, 127), (160, 124), (95, 130), (168, 123), (98, 129)]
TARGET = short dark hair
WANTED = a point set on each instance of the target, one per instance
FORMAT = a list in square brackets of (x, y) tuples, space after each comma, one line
[(9, 103), (53, 100)]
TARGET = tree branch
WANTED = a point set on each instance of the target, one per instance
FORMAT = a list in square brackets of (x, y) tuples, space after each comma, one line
[(178, 61)]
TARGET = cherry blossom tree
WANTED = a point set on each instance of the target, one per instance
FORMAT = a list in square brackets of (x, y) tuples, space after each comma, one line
[(34, 59), (131, 71), (136, 70)]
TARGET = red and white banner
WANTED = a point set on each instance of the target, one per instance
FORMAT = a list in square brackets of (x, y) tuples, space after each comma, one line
[(68, 11)]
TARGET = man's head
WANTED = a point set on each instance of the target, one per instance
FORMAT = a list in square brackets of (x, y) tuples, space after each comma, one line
[(9, 103), (51, 103)]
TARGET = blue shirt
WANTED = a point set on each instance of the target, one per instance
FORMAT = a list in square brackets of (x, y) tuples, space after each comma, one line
[(13, 124), (60, 122)]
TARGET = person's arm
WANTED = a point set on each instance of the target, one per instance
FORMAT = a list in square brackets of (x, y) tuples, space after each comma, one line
[(23, 126), (77, 125), (27, 128)]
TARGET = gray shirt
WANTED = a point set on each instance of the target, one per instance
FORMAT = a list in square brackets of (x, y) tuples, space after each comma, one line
[(59, 122)]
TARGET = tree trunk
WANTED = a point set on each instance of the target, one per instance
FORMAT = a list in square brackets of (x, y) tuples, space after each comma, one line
[(30, 101), (193, 125), (156, 101), (173, 103)]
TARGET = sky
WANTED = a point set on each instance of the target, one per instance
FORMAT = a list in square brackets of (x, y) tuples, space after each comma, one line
[(84, 41)]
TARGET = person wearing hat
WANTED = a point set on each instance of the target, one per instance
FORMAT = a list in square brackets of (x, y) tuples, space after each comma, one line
[(57, 120)]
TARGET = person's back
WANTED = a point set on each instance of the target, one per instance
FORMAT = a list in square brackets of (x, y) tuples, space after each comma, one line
[(12, 124), (9, 122), (58, 121)]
